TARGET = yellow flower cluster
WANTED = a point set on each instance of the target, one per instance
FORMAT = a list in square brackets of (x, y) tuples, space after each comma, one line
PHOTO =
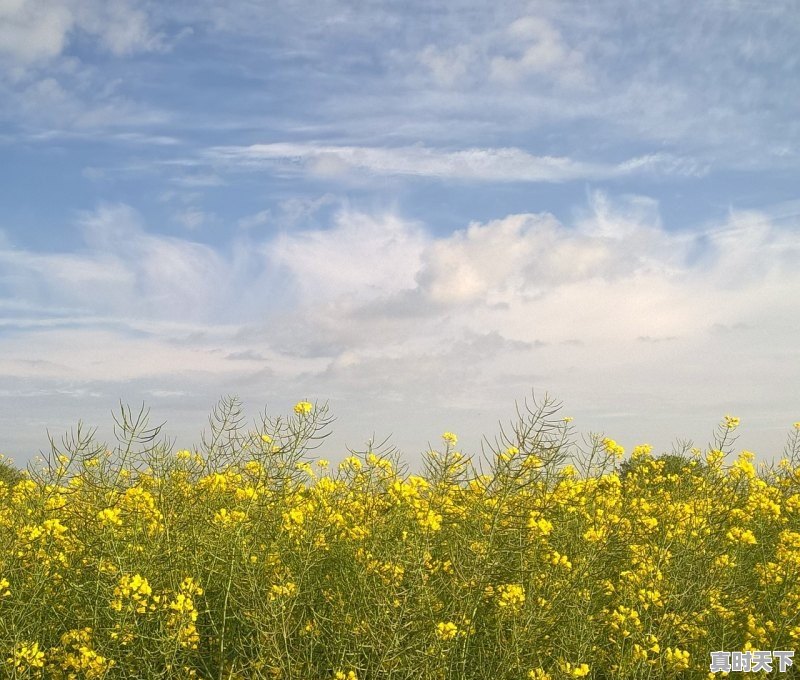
[(183, 614), (77, 658), (731, 422), (225, 517), (136, 591), (282, 590), (446, 630), (450, 439), (677, 659), (26, 656), (539, 558), (580, 670), (539, 674), (613, 449), (510, 596), (303, 408)]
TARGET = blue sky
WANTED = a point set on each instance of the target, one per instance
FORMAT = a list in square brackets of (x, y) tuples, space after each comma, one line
[(416, 213)]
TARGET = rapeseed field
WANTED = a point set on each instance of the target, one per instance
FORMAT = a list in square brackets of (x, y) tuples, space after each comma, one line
[(547, 556)]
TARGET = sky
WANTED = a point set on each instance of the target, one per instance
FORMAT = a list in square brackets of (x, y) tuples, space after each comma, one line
[(418, 213)]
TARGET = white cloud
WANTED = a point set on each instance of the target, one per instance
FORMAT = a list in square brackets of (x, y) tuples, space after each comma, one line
[(192, 218), (124, 268), (121, 27), (38, 30), (255, 220), (198, 181), (451, 67), (510, 55), (536, 48), (31, 30), (487, 164), (64, 106), (616, 314), (605, 71), (483, 260), (360, 258)]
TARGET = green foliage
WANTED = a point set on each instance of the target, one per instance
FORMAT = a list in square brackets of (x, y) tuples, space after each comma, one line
[(245, 558), (673, 464), (9, 474)]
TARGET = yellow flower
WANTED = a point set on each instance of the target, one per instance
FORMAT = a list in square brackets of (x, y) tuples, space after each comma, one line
[(305, 466), (341, 675), (110, 516), (26, 656), (576, 670), (247, 493), (740, 535), (532, 461), (446, 630), (294, 517), (189, 586), (538, 525), (430, 520), (511, 596), (278, 591), (596, 534), (254, 468), (676, 658), (450, 438), (538, 674), (558, 560), (623, 619), (136, 589), (78, 657), (613, 449), (225, 517), (303, 407), (731, 422), (183, 616)]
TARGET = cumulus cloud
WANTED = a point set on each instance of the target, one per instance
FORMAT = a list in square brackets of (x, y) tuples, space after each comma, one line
[(383, 317), (360, 257), (613, 309)]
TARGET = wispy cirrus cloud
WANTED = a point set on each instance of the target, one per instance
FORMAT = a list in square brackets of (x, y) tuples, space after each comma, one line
[(508, 164)]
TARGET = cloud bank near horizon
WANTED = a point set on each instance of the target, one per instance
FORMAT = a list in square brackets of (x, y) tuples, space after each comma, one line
[(375, 309)]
